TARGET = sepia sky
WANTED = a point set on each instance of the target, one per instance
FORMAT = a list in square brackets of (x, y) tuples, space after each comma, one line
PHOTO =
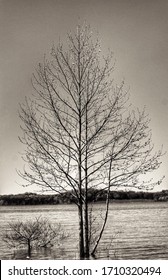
[(135, 30)]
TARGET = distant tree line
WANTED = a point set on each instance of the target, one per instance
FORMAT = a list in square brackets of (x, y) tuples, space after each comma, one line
[(67, 197)]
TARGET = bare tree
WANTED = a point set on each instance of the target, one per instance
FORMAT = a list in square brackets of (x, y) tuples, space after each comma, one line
[(33, 233), (80, 131)]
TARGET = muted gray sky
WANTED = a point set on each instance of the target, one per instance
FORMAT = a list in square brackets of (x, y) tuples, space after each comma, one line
[(136, 31)]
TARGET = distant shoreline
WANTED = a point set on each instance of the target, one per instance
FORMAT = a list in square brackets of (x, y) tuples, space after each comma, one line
[(114, 201), (95, 196)]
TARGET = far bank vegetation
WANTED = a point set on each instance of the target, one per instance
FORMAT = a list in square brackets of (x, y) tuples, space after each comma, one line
[(93, 196)]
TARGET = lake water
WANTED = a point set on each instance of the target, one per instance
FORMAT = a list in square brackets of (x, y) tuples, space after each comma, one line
[(135, 230)]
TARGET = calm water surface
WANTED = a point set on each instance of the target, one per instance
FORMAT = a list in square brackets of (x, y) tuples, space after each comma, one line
[(136, 230)]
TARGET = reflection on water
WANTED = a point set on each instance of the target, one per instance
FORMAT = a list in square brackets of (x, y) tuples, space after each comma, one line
[(136, 230)]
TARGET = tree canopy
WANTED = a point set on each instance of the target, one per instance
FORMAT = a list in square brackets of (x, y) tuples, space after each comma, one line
[(80, 130)]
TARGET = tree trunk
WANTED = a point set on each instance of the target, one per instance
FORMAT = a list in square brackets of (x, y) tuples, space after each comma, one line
[(28, 248), (86, 231), (87, 253), (106, 213), (81, 237), (103, 226), (87, 249)]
